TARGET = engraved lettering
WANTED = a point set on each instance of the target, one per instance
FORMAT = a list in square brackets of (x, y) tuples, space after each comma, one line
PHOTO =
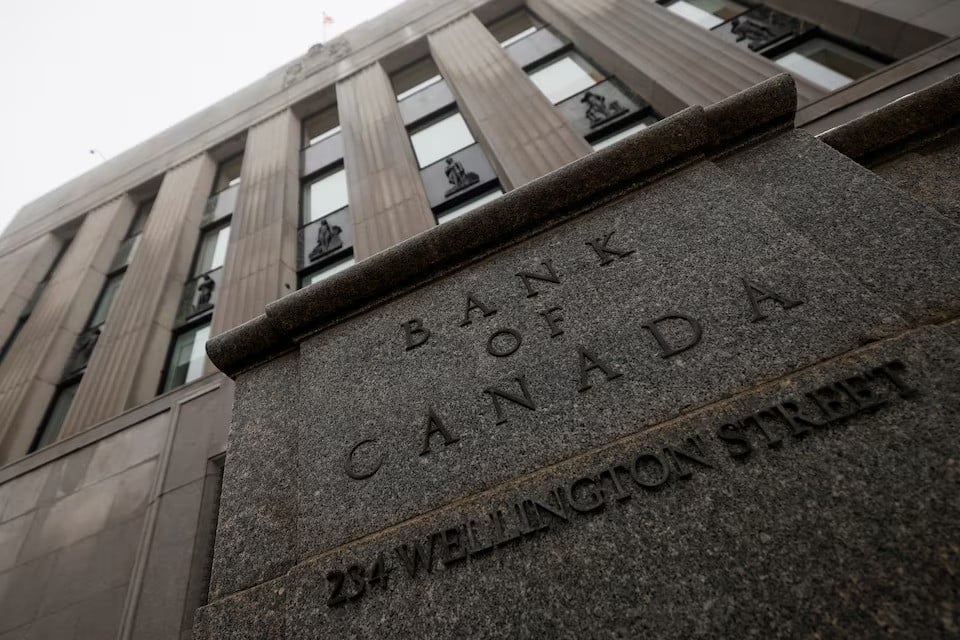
[(549, 276), (474, 304), (524, 400), (454, 546), (753, 289), (666, 348), (589, 362), (892, 371), (660, 477), (474, 547), (737, 442), (350, 468), (678, 455), (559, 512), (435, 425), (415, 334), (420, 557), (590, 499), (605, 252), (506, 346), (612, 473), (553, 318)]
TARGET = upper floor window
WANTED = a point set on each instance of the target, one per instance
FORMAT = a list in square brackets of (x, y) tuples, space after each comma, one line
[(324, 195), (187, 356), (514, 26), (795, 44), (55, 417), (415, 78), (212, 251), (707, 13), (827, 64), (565, 76), (321, 126), (228, 174), (440, 138)]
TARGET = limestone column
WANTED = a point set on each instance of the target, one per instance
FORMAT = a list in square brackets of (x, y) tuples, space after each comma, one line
[(666, 60), (126, 364), (261, 263), (523, 134), (22, 270), (387, 199), (34, 365)]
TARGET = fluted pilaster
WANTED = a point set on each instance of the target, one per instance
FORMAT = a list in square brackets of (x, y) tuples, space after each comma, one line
[(522, 133), (387, 199), (34, 365), (138, 326), (20, 273), (666, 60), (261, 260)]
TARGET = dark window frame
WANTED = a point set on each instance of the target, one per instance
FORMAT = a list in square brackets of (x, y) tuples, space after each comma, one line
[(219, 174), (191, 325)]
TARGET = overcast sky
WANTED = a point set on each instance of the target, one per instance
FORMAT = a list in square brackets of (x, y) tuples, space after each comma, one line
[(78, 75)]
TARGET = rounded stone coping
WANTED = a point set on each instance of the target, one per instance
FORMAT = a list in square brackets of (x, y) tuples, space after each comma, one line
[(684, 137), (885, 130)]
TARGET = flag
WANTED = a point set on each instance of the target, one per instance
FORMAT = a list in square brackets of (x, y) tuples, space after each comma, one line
[(327, 19)]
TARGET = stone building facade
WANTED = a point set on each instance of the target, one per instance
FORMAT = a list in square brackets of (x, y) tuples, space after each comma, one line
[(114, 423)]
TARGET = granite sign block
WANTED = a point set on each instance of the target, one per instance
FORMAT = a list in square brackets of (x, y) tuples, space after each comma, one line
[(697, 400), (656, 303), (905, 251)]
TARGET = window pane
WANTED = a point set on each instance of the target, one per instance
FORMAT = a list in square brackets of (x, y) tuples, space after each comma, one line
[(105, 301), (228, 174), (321, 126), (187, 359), (827, 64), (140, 220), (516, 26), (626, 133), (470, 206), (707, 13), (416, 77), (322, 274), (213, 250), (50, 428), (440, 139), (323, 196), (561, 79)]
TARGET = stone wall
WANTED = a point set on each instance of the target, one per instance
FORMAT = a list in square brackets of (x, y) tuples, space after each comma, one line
[(108, 534), (700, 384)]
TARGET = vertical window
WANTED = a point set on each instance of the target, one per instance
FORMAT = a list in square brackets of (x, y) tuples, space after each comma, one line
[(827, 64), (439, 139), (325, 237), (321, 126), (597, 107), (415, 78), (707, 13), (56, 415), (228, 174), (453, 167), (798, 46), (324, 195), (87, 340), (565, 77), (514, 27), (326, 271), (212, 250), (187, 356), (470, 205)]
